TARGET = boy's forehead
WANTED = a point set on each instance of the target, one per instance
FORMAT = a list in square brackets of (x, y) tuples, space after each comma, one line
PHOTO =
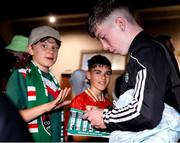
[(101, 66), (51, 40), (48, 40), (100, 29)]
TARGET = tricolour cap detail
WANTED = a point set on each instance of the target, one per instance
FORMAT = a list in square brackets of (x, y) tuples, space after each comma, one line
[(42, 31)]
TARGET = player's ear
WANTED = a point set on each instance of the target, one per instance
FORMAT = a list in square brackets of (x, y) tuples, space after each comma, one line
[(88, 75), (30, 50), (120, 21)]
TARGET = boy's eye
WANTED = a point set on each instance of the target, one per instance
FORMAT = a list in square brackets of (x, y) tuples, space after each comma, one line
[(44, 46), (108, 73), (102, 38), (97, 72), (56, 47)]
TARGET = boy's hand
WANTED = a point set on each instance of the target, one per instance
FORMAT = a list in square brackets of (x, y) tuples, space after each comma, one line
[(89, 107), (95, 116), (59, 101)]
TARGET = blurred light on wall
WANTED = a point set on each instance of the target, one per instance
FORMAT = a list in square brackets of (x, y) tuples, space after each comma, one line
[(52, 19)]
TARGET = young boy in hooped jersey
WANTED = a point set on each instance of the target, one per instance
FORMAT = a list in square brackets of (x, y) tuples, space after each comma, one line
[(35, 90), (99, 74)]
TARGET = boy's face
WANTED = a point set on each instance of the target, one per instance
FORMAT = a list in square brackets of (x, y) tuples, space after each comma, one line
[(99, 77), (106, 33), (44, 54)]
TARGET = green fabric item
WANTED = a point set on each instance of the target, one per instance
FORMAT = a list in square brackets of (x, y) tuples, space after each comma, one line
[(33, 78), (18, 44), (18, 94), (17, 91)]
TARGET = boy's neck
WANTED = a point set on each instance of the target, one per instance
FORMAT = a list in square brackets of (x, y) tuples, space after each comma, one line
[(44, 69), (98, 94)]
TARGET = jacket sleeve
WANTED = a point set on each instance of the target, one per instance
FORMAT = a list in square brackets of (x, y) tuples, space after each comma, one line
[(16, 89), (146, 107)]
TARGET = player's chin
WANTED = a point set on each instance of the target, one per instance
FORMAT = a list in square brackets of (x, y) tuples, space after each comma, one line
[(49, 64), (102, 88)]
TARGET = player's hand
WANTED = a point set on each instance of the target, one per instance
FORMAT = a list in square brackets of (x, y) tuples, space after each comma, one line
[(89, 107), (95, 116), (60, 100)]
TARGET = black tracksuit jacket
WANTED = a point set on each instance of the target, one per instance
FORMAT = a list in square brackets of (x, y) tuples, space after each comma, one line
[(148, 73)]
